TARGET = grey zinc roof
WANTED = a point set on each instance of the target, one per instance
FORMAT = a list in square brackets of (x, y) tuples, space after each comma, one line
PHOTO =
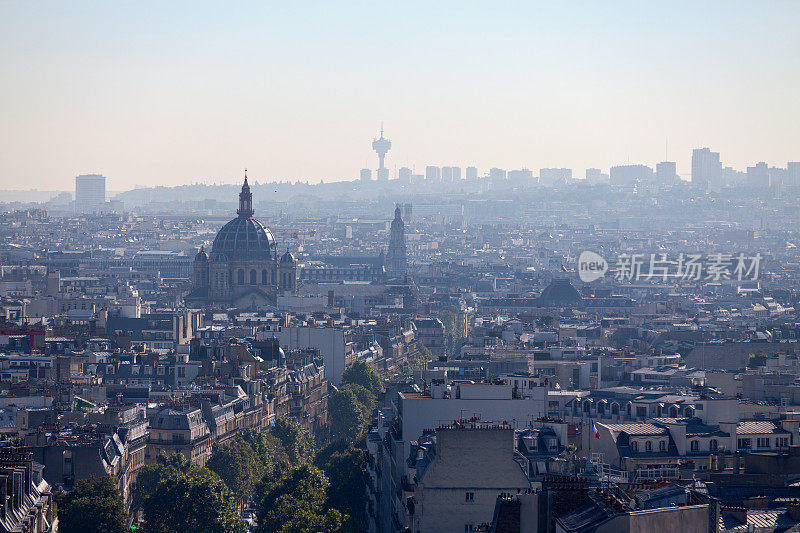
[(768, 519), (751, 427), (637, 429)]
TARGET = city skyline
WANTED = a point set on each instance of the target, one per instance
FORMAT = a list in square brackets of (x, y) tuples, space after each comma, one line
[(172, 96)]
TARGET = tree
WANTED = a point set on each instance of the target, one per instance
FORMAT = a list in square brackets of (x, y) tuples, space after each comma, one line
[(297, 440), (150, 476), (298, 505), (94, 505), (346, 414), (361, 373), (249, 459), (349, 482), (756, 360), (194, 501), (422, 356), (452, 318), (365, 397), (238, 466)]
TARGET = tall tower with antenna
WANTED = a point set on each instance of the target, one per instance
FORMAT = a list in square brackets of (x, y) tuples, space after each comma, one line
[(381, 146)]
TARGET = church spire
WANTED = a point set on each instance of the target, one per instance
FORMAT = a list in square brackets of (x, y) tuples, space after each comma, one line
[(245, 200)]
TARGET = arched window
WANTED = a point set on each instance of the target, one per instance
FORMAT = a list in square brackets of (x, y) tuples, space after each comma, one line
[(713, 445), (240, 276), (695, 445), (586, 407), (614, 408), (628, 409), (216, 279), (253, 277), (662, 446), (601, 408), (673, 412), (264, 279), (648, 446)]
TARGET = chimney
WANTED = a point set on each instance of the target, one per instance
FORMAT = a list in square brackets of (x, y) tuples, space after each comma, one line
[(739, 513), (793, 510)]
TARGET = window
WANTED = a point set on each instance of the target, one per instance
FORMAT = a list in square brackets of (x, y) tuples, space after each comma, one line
[(695, 445), (763, 442), (744, 444), (635, 446), (713, 445), (240, 276), (648, 446), (468, 528), (253, 279), (264, 277), (662, 446), (641, 412), (783, 442), (469, 497)]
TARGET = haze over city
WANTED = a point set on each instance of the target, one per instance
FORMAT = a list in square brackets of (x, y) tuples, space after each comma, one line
[(167, 94), (411, 267)]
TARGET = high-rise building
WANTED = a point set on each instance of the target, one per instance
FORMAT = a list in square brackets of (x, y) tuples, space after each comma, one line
[(731, 176), (497, 175), (366, 174), (90, 193), (626, 175), (666, 172), (450, 174), (404, 174), (471, 174), (555, 176), (447, 174), (433, 173), (595, 176), (706, 168), (758, 176), (396, 256), (381, 146), (793, 174), (408, 210), (520, 177)]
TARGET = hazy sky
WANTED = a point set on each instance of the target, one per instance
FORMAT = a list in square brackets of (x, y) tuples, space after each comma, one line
[(177, 92)]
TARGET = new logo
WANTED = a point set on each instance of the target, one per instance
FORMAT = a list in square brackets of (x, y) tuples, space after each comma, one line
[(591, 266)]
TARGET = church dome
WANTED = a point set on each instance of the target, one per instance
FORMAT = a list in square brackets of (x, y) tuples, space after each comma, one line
[(287, 258), (245, 237), (560, 292), (201, 256)]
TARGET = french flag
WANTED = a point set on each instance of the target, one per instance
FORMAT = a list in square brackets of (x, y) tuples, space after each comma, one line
[(594, 431)]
